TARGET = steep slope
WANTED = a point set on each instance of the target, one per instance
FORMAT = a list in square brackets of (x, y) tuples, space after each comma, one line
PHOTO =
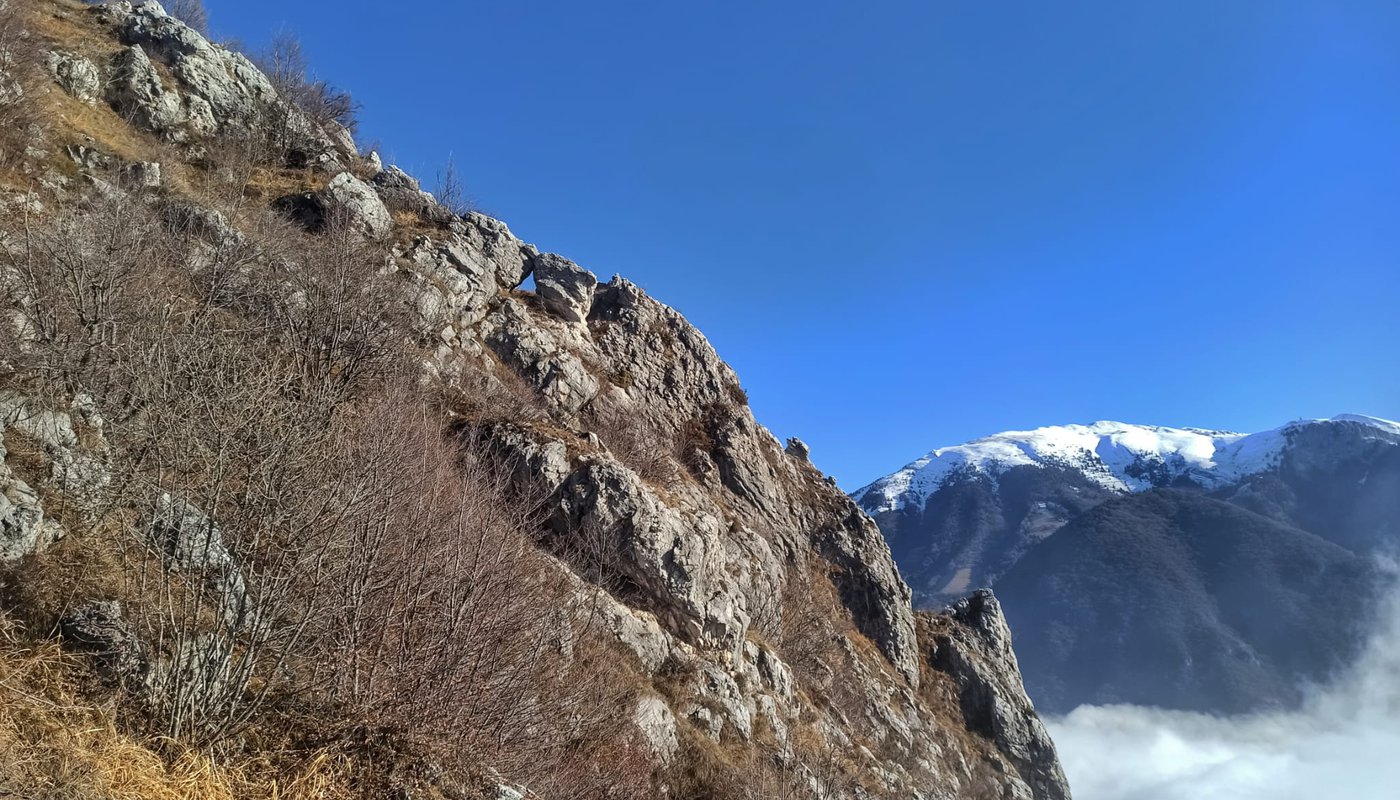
[(1177, 599), (960, 516), (311, 483), (1107, 539)]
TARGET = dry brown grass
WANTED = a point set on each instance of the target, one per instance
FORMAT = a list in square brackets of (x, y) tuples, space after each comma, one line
[(54, 745)]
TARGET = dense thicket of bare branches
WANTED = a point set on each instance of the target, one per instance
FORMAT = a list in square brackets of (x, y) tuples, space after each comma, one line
[(295, 521)]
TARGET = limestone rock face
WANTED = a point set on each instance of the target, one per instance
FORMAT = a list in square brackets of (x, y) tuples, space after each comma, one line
[(508, 256), (75, 75), (362, 207), (137, 92), (218, 91), (236, 92), (678, 557), (23, 527), (658, 726), (565, 287), (976, 651), (541, 355)]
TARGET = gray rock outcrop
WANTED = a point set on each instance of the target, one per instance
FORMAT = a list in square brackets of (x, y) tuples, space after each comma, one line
[(137, 92), (358, 202), (99, 629), (76, 75), (565, 287), (976, 651)]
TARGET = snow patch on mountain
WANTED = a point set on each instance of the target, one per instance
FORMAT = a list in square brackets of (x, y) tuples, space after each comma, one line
[(1118, 456)]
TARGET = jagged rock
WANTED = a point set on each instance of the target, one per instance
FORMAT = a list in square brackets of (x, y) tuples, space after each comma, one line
[(346, 198), (232, 87), (80, 473), (137, 93), (871, 588), (401, 192), (195, 220), (141, 175), (798, 449), (721, 703), (75, 75), (363, 208), (191, 542), (658, 726), (565, 287), (976, 651), (678, 557), (540, 356), (23, 528), (99, 629), (89, 158), (446, 285), (639, 632), (510, 258)]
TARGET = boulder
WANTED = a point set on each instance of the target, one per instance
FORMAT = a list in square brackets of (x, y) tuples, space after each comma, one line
[(192, 543), (362, 207), (141, 175), (508, 256), (346, 198), (658, 727), (89, 158), (401, 192), (798, 449), (75, 75), (23, 528), (99, 629), (565, 287), (236, 91)]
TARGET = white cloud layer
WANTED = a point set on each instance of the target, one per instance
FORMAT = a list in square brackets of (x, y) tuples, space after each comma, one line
[(1344, 743)]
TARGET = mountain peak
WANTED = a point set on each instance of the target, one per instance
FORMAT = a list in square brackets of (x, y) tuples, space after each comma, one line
[(1117, 456)]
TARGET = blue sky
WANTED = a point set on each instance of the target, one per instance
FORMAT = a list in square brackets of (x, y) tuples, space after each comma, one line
[(910, 224)]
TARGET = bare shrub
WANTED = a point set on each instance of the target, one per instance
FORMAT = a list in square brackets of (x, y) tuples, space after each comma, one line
[(440, 609), (450, 190), (221, 407), (190, 12), (284, 62), (19, 57), (637, 444)]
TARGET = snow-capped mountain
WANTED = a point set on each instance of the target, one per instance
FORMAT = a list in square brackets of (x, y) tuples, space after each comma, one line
[(1116, 456), (1178, 567)]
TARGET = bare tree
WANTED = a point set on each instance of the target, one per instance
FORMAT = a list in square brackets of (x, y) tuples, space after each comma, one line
[(190, 12), (451, 191), (285, 64)]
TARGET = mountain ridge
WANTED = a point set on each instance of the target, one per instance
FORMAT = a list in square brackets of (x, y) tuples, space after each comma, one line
[(1117, 455), (1093, 535)]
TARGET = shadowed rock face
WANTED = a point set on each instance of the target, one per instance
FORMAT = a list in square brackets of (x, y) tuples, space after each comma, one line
[(1177, 599), (976, 650)]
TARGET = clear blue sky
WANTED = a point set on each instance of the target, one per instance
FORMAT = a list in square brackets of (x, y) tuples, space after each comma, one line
[(910, 224)]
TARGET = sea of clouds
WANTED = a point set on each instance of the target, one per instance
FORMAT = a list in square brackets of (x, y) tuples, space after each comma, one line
[(1343, 744)]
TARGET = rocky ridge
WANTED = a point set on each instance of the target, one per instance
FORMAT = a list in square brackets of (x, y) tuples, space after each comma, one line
[(698, 539)]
